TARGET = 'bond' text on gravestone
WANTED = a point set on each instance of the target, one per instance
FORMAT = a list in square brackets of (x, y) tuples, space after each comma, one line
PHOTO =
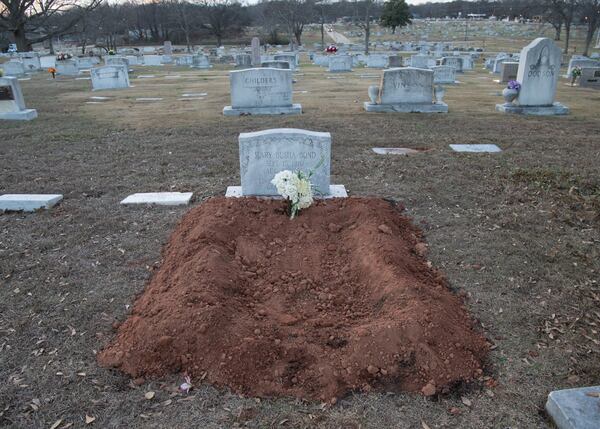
[(265, 153)]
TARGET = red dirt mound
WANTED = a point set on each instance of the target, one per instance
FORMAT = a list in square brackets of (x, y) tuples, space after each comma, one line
[(336, 300)]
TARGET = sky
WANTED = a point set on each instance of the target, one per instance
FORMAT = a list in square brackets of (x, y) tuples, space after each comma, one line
[(425, 1)]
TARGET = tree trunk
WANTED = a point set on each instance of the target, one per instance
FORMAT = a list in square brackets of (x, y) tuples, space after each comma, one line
[(20, 39), (589, 37), (322, 34), (557, 31), (367, 29), (51, 44), (567, 37), (219, 40)]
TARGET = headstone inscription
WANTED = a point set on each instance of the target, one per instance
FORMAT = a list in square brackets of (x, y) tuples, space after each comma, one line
[(263, 154), (109, 77), (12, 104), (456, 62), (405, 89), (538, 74), (261, 91)]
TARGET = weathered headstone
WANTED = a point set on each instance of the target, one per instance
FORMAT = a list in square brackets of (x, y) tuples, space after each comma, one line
[(394, 61), (422, 61), (48, 61), (406, 89), (13, 68), (539, 67), (12, 104), (456, 62), (243, 61), (67, 68), (200, 61), (109, 77), (590, 77), (31, 61), (508, 71), (261, 91), (445, 75), (581, 62), (377, 61), (263, 154), (276, 64), (184, 60), (340, 63), (255, 44), (290, 57), (115, 60), (168, 48), (153, 60)]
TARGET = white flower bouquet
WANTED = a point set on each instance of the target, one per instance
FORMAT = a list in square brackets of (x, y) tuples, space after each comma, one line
[(296, 188)]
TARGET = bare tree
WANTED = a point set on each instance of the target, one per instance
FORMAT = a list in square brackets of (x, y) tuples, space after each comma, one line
[(590, 11), (362, 18), (566, 11), (21, 18), (223, 16), (294, 15)]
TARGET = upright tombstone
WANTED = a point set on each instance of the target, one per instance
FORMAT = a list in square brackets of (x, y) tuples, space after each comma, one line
[(48, 61), (539, 69), (110, 77), (115, 60), (184, 60), (200, 61), (581, 62), (243, 61), (290, 57), (255, 51), (340, 63), (377, 61), (153, 60), (276, 64), (261, 91), (405, 89), (12, 104), (508, 71), (31, 61), (444, 75), (87, 62), (263, 154), (500, 58), (67, 67), (134, 60), (467, 63), (422, 61), (590, 77), (456, 62), (167, 48), (13, 68), (394, 61)]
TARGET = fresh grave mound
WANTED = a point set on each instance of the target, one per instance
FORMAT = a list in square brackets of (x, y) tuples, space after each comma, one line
[(338, 299)]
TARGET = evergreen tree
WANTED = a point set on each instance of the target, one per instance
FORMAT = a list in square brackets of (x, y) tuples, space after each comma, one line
[(395, 13)]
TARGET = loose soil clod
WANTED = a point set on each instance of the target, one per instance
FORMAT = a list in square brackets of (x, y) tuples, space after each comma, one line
[(336, 300)]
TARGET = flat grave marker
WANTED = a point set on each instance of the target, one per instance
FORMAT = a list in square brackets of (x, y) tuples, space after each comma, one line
[(477, 148), (159, 198), (28, 202)]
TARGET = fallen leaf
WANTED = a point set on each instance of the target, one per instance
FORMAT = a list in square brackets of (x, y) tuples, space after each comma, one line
[(149, 395), (56, 423), (89, 419), (466, 401), (424, 425)]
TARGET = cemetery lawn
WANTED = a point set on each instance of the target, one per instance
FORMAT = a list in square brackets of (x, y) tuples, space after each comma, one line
[(516, 232)]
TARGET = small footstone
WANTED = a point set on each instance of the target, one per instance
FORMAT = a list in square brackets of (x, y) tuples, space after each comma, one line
[(395, 151), (475, 148), (144, 99), (160, 198), (575, 408), (146, 76), (99, 98), (195, 94), (28, 202)]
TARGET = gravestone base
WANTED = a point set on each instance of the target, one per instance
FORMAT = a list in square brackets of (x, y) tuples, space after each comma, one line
[(294, 109), (22, 115), (407, 107), (555, 109), (335, 191), (573, 408)]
